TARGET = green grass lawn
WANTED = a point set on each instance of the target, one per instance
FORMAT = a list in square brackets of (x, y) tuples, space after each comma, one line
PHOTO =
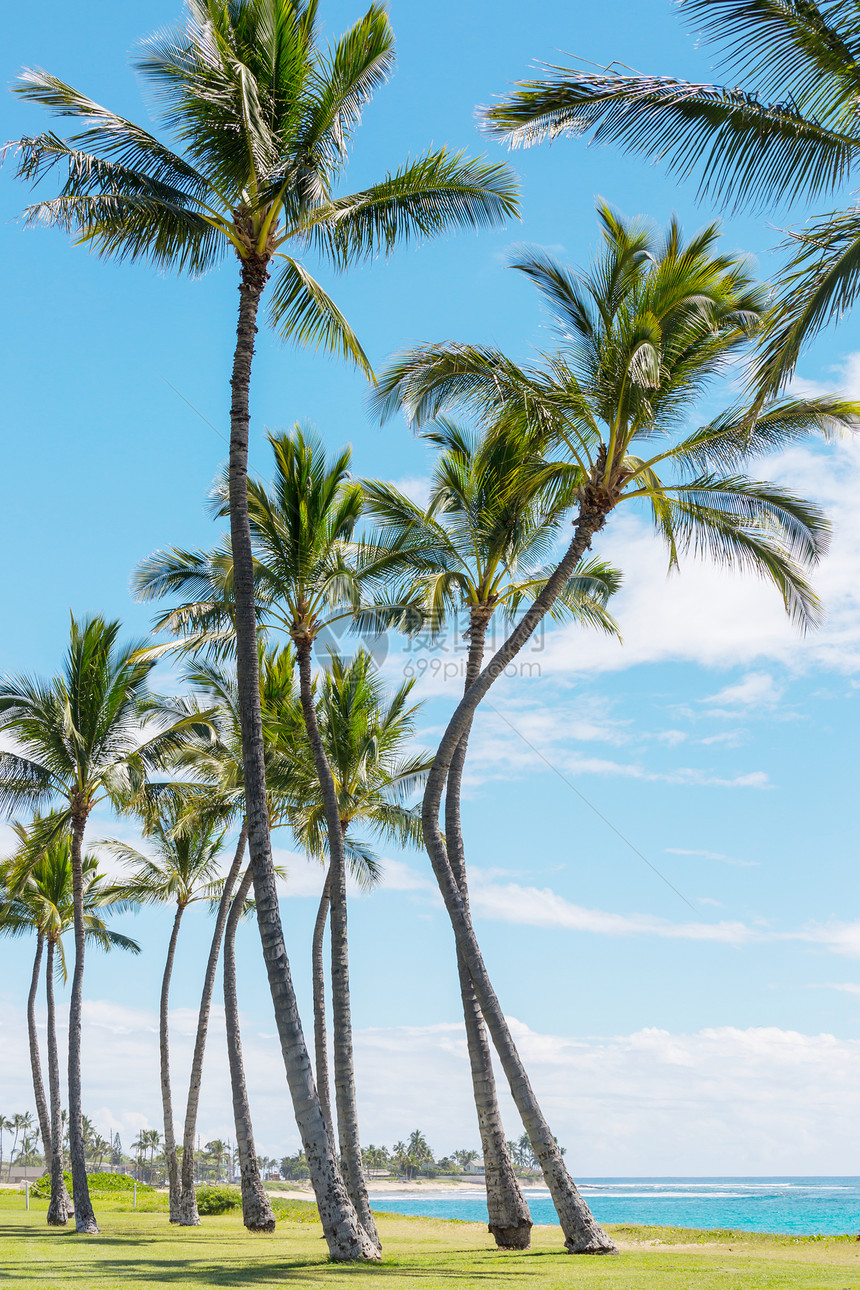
[(141, 1249)]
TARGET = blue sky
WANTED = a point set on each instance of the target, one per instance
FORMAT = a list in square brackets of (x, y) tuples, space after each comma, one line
[(718, 742)]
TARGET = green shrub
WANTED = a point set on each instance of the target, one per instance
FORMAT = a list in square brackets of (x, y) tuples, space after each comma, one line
[(217, 1199), (116, 1184)]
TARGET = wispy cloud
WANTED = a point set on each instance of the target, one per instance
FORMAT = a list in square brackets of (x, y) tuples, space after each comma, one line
[(710, 855)]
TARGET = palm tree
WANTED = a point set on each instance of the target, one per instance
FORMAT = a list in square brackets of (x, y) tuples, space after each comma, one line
[(311, 574), (22, 1122), (478, 548), (363, 736), (182, 869), (5, 1127), (257, 1212), (264, 118), (217, 763), (644, 331), (84, 738), (782, 127), (41, 898)]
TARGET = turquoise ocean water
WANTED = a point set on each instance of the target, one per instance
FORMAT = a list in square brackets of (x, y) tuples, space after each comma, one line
[(802, 1206)]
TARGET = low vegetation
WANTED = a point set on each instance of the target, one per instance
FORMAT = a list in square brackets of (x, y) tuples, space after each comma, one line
[(425, 1254)]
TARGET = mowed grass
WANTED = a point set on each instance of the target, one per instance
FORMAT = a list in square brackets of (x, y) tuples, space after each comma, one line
[(141, 1249)]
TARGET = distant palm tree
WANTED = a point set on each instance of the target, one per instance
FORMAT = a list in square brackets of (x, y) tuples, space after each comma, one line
[(477, 551), (782, 127), (182, 870), (264, 117), (84, 737), (22, 1122), (5, 1127), (643, 332), (40, 897)]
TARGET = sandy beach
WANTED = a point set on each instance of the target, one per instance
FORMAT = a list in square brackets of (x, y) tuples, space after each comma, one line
[(383, 1186)]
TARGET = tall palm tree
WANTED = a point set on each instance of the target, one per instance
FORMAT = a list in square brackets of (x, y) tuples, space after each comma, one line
[(262, 118), (363, 733), (782, 127), (181, 869), (652, 323), (478, 551), (40, 898), (84, 737), (311, 573)]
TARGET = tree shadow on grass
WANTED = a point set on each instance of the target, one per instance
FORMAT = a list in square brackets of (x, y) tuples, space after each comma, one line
[(143, 1271)]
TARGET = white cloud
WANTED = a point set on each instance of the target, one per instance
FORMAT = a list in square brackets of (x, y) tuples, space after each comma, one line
[(722, 618), (710, 855), (543, 907), (755, 690), (652, 1102), (416, 488), (844, 987), (544, 735)]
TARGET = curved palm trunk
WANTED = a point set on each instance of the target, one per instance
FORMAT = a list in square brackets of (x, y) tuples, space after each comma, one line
[(509, 1219), (85, 1219), (257, 1213), (320, 1039), (170, 1155), (583, 1235), (344, 1072), (346, 1239), (35, 1059), (60, 1206), (188, 1215)]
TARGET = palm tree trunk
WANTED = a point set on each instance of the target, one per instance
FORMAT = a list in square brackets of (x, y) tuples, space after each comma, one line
[(583, 1235), (170, 1156), (507, 1211), (257, 1213), (344, 1073), (188, 1216), (343, 1232), (85, 1219), (320, 1038), (60, 1207), (35, 1059)]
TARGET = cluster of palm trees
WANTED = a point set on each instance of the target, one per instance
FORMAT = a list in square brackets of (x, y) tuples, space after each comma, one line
[(531, 463)]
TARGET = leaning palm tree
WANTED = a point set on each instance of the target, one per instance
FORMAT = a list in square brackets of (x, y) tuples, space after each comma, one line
[(260, 118), (40, 898), (643, 333), (363, 733), (783, 126), (181, 868), (478, 551), (82, 738)]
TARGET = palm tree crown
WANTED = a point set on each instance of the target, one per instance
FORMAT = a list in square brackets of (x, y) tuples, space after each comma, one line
[(84, 736), (482, 542), (788, 129), (644, 332), (311, 571), (261, 117), (37, 896), (364, 732)]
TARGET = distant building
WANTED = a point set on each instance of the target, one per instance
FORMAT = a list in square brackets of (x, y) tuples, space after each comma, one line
[(474, 1170), (25, 1173)]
